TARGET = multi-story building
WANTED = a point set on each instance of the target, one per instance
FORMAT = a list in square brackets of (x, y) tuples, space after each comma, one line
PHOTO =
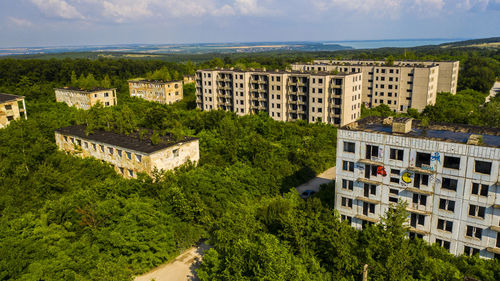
[(284, 95), (448, 175), (85, 99), (402, 85), (188, 79), (166, 92), (128, 154), (11, 108)]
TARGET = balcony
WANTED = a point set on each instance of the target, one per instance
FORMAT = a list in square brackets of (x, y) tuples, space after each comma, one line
[(371, 162), (365, 218), (419, 231), (411, 209), (368, 200), (493, 250), (419, 191), (421, 170), (495, 228), (368, 181)]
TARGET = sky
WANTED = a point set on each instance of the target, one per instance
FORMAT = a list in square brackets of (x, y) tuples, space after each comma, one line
[(28, 23)]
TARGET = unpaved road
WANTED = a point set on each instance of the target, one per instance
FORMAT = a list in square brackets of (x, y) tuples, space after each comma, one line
[(180, 269), (314, 184), (493, 91)]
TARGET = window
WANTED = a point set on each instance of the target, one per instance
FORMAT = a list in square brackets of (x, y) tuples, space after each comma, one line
[(349, 147), (131, 173), (447, 205), (423, 159), (94, 146), (346, 202), (443, 244), (369, 189), (451, 162), (175, 152), (482, 167), (119, 152), (106, 94), (8, 107), (371, 151), (129, 155), (479, 189), (348, 166), (420, 179), (445, 225), (419, 199), (476, 211), (86, 144), (417, 219), (121, 170), (138, 157), (110, 150), (368, 208), (469, 251), (347, 184), (474, 232), (393, 192), (450, 184), (397, 154), (101, 147), (346, 218)]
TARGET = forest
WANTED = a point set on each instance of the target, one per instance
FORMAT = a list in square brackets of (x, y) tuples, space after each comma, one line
[(66, 218)]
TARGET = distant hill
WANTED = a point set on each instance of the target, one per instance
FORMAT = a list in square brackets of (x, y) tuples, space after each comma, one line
[(493, 42), (145, 50)]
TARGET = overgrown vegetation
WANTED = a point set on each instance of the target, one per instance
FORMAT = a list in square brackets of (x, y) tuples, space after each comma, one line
[(66, 218)]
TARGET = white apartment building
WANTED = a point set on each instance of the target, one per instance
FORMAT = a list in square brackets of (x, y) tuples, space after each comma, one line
[(284, 95), (403, 85), (85, 99), (448, 175)]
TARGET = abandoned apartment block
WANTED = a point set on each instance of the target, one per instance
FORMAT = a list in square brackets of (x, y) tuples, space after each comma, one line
[(128, 154), (447, 173), (12, 107), (165, 92), (284, 95), (399, 84), (85, 99)]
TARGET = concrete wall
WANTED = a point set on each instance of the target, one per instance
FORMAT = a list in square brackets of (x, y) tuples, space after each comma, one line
[(128, 162), (13, 113), (463, 198), (86, 99), (166, 93)]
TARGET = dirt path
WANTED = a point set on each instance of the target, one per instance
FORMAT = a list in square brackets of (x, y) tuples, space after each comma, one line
[(314, 184), (181, 269), (493, 91)]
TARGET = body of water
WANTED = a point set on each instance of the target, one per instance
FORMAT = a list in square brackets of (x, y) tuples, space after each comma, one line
[(401, 43)]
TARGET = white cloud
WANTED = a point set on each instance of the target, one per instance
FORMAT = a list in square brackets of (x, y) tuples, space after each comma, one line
[(20, 22), (122, 10), (58, 8), (250, 7), (225, 10)]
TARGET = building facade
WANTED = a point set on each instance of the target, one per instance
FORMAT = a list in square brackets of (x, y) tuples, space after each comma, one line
[(403, 85), (128, 154), (166, 92), (448, 175), (85, 99), (284, 95), (188, 79), (12, 107)]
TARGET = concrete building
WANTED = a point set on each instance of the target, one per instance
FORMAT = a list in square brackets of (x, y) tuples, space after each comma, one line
[(85, 99), (128, 154), (403, 85), (166, 92), (11, 108), (188, 79), (284, 95), (448, 175)]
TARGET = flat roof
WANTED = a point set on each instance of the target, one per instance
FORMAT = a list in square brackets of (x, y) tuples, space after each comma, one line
[(292, 72), (9, 97), (384, 60), (340, 63), (457, 133), (75, 89), (153, 81), (132, 141)]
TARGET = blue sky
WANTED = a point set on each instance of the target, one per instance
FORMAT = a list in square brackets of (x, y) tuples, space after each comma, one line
[(96, 22)]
